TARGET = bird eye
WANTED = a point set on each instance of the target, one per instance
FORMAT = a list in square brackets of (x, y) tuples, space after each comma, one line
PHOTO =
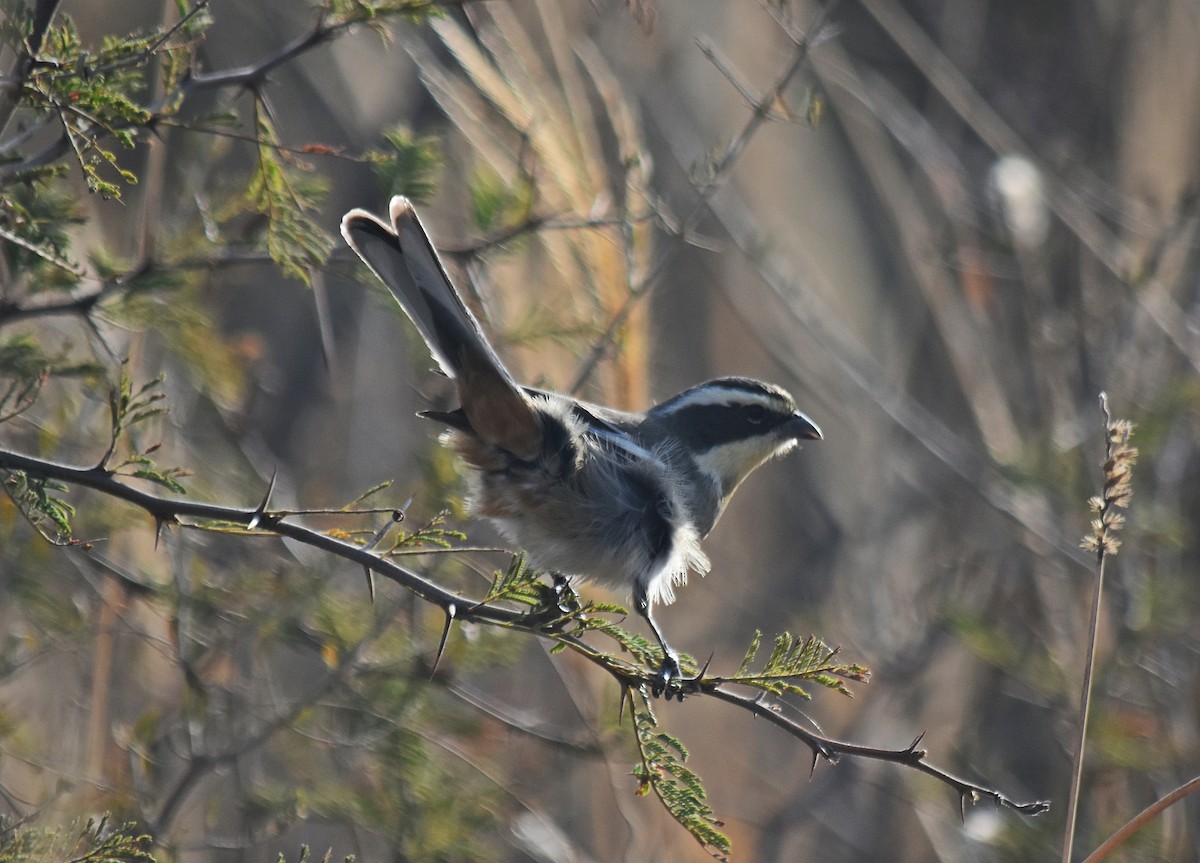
[(755, 414)]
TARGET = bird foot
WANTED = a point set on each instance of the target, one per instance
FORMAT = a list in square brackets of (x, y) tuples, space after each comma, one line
[(559, 601), (671, 681), (566, 599)]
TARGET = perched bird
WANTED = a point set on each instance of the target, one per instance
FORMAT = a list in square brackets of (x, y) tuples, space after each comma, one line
[(617, 497)]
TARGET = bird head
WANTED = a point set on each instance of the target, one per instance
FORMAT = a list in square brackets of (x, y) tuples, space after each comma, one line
[(730, 426)]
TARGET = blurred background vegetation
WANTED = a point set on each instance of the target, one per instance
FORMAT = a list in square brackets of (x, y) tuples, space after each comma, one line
[(944, 225)]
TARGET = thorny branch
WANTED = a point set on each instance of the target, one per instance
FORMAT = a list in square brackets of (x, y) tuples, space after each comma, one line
[(166, 511), (910, 756), (260, 521)]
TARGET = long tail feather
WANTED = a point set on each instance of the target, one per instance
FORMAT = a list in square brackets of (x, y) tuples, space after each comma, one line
[(404, 259)]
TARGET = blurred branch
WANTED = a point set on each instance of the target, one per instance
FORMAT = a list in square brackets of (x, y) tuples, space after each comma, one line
[(201, 764), (254, 75), (10, 91), (537, 223), (325, 28), (861, 370), (40, 306), (761, 111), (259, 521), (84, 302), (1142, 819), (1067, 204), (570, 742), (976, 370), (974, 110)]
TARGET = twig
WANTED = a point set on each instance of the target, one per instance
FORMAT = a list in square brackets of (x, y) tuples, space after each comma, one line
[(46, 255), (910, 756), (1142, 819), (709, 50), (1084, 709), (254, 75)]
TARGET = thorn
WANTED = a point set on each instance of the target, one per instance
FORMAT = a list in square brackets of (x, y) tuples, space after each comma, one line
[(397, 516), (159, 522), (261, 509), (912, 747), (451, 612), (626, 696), (812, 770), (381, 533), (962, 807)]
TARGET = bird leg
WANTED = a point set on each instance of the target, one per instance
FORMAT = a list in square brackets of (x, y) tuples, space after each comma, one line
[(559, 602), (669, 671)]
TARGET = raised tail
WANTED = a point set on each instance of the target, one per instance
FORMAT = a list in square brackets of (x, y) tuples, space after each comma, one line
[(404, 259)]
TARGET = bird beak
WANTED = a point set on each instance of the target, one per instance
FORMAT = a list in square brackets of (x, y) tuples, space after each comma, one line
[(802, 428)]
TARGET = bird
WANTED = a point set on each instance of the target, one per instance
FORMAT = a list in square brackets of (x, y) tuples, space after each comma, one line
[(617, 497)]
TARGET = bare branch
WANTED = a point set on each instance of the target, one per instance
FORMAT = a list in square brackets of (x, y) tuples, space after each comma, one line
[(255, 74), (910, 756)]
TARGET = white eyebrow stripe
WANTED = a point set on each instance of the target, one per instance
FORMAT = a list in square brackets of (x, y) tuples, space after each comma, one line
[(725, 396)]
